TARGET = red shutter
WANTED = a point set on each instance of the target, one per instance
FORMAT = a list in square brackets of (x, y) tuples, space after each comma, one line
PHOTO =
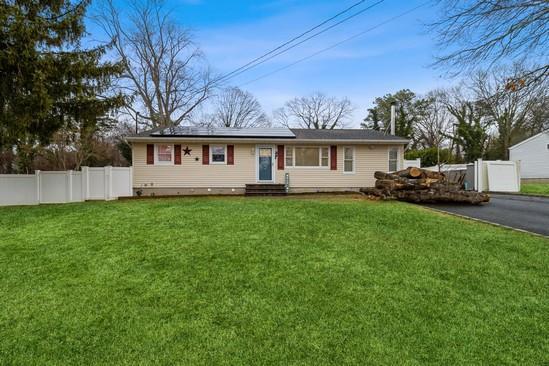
[(177, 154), (280, 157), (205, 154), (150, 154), (333, 157), (230, 154)]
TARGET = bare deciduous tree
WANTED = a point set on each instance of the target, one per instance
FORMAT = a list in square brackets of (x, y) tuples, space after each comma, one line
[(239, 109), (165, 72), (315, 112), (435, 123), (480, 33), (513, 112)]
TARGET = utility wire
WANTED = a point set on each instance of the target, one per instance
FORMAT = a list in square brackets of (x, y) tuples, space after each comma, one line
[(337, 44), (293, 39), (303, 41)]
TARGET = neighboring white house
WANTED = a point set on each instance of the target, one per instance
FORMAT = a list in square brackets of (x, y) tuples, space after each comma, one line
[(533, 155)]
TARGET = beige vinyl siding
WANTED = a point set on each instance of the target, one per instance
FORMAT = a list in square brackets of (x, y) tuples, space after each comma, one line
[(368, 159), (192, 174)]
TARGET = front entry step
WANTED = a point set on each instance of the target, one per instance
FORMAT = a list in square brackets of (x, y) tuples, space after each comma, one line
[(266, 189)]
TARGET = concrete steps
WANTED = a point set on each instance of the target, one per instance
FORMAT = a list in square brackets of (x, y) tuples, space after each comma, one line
[(266, 189)]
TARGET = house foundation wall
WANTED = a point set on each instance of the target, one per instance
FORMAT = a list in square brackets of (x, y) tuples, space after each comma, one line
[(534, 180), (229, 191)]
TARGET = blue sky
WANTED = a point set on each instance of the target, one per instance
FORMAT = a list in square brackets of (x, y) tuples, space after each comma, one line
[(395, 56)]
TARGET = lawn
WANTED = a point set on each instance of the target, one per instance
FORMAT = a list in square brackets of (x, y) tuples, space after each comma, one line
[(535, 188), (267, 281)]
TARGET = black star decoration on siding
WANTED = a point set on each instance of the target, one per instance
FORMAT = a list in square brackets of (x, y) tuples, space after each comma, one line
[(187, 151)]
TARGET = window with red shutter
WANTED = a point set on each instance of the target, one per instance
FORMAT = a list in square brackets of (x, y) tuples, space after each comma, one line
[(230, 154), (150, 154), (280, 157), (177, 155), (205, 154), (333, 157)]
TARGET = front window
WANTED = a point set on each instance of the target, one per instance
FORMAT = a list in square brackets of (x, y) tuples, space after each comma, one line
[(307, 156), (348, 160), (325, 156), (393, 160), (164, 154), (218, 154)]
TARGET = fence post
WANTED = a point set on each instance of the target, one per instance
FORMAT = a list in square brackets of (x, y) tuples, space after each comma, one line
[(475, 175), (85, 183), (517, 166), (131, 180), (68, 196), (480, 175), (108, 182), (38, 186)]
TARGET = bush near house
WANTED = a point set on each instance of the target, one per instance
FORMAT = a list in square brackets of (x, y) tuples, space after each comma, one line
[(267, 281), (429, 156)]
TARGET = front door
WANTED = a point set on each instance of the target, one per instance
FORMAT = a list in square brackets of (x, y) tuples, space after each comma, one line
[(265, 164)]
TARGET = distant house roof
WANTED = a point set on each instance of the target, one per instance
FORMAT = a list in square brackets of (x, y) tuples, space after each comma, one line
[(298, 134)]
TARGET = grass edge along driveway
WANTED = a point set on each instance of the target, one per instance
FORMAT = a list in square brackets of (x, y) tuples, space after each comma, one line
[(267, 281)]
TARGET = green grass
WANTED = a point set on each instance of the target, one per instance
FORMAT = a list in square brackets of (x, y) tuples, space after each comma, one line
[(535, 188), (267, 281)]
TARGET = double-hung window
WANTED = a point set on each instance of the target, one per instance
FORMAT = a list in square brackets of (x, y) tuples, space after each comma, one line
[(218, 154), (289, 156), (393, 159), (348, 160), (164, 154), (307, 156)]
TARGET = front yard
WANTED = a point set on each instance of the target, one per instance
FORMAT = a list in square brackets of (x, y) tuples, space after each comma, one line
[(267, 281)]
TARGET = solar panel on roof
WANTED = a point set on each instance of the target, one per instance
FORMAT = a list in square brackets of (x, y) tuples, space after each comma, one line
[(225, 132)]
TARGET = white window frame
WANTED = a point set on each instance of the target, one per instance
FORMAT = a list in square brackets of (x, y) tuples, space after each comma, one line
[(353, 159), (389, 159), (158, 162), (319, 147), (286, 148), (224, 162)]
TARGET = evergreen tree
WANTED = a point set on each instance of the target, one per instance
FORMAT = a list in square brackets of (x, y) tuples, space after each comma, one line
[(47, 81), (409, 109), (471, 131)]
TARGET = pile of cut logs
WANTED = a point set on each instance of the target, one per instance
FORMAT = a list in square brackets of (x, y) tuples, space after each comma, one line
[(420, 185)]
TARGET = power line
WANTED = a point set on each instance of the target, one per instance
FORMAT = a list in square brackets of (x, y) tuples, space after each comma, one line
[(300, 42), (337, 44), (294, 39)]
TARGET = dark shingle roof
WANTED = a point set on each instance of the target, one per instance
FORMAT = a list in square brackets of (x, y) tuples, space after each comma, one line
[(342, 134), (276, 133), (217, 132)]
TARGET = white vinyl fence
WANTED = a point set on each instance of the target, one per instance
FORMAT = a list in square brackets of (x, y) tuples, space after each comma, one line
[(486, 175), (496, 176), (412, 163), (65, 186)]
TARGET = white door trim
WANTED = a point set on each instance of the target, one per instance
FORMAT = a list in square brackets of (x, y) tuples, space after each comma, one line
[(273, 170)]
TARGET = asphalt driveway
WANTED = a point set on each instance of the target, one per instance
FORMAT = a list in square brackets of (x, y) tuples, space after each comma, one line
[(517, 211)]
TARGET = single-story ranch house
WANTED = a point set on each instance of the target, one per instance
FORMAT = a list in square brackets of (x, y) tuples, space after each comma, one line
[(189, 160)]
